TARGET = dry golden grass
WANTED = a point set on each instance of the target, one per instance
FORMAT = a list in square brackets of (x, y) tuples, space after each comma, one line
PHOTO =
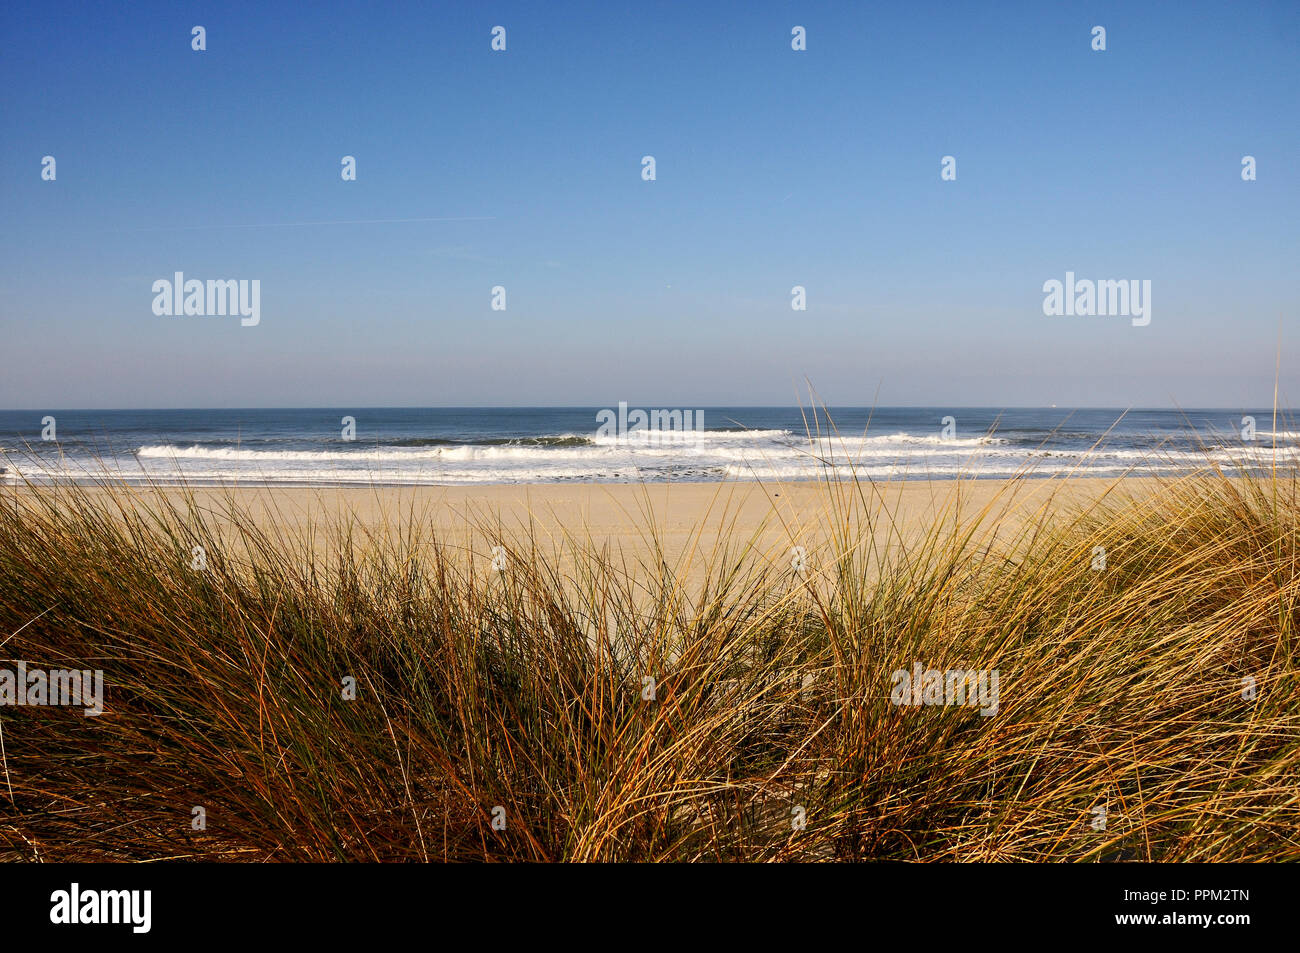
[(523, 689)]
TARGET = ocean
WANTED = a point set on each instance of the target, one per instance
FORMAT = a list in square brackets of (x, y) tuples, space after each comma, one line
[(432, 446)]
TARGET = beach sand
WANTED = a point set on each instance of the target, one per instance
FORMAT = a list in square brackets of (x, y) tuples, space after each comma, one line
[(647, 526)]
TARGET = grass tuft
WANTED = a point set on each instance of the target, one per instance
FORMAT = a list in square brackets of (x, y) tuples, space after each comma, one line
[(523, 690)]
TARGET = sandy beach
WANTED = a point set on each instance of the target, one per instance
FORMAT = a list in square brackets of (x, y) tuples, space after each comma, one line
[(679, 524)]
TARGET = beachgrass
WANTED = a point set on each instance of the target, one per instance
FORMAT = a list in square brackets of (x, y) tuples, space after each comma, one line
[(387, 696)]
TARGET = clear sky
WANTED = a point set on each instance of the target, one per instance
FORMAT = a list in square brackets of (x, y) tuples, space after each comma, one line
[(774, 168)]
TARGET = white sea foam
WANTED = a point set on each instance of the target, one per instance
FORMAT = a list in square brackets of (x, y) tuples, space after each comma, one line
[(738, 454)]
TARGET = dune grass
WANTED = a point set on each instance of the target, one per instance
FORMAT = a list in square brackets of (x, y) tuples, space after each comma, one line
[(507, 715)]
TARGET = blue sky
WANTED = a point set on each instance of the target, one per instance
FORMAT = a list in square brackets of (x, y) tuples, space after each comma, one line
[(775, 168)]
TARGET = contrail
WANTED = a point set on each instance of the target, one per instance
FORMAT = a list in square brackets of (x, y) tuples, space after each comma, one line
[(358, 221)]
